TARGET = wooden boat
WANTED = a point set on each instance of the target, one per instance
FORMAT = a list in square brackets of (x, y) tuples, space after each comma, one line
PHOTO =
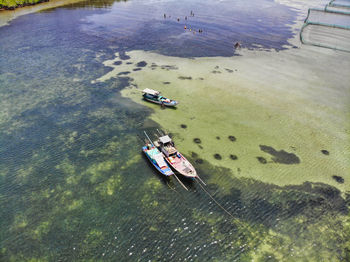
[(175, 159), (155, 97), (157, 159)]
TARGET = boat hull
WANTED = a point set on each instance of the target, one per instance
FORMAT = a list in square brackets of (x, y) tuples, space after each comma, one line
[(181, 165), (166, 172), (172, 103)]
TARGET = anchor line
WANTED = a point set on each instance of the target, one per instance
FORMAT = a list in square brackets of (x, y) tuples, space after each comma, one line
[(180, 182), (216, 202)]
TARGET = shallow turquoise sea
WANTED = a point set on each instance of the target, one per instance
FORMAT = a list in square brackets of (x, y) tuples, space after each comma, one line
[(74, 185)]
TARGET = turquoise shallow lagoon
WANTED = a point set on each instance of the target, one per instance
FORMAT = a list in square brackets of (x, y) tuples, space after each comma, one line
[(74, 185)]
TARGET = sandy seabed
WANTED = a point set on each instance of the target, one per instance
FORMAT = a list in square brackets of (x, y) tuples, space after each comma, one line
[(294, 102)]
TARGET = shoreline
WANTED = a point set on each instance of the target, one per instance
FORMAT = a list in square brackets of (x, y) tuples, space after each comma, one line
[(24, 4), (7, 16)]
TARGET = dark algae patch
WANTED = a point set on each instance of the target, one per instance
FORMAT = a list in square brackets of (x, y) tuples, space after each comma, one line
[(194, 155), (325, 152), (141, 64), (218, 138), (197, 140), (123, 73), (233, 157), (339, 179), (261, 159), (281, 157), (199, 161), (217, 156), (123, 55), (232, 138), (169, 67), (185, 77)]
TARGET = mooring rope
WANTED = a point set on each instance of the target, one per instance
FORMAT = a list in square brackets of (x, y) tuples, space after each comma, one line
[(216, 201)]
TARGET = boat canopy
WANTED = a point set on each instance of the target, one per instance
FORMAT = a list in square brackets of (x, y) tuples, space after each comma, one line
[(160, 160), (165, 139), (150, 91)]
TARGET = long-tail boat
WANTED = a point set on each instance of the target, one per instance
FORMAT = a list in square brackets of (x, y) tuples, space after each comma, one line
[(174, 158), (155, 97), (157, 160)]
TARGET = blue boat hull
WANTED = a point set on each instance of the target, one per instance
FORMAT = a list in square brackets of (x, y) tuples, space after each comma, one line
[(166, 172)]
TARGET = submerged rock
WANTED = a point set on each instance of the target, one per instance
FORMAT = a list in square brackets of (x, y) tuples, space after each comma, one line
[(183, 126), (123, 73), (281, 157)]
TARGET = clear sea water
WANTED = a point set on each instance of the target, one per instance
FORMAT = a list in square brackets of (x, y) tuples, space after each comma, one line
[(74, 185)]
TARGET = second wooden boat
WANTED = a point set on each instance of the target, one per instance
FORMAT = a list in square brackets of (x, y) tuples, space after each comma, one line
[(174, 158)]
